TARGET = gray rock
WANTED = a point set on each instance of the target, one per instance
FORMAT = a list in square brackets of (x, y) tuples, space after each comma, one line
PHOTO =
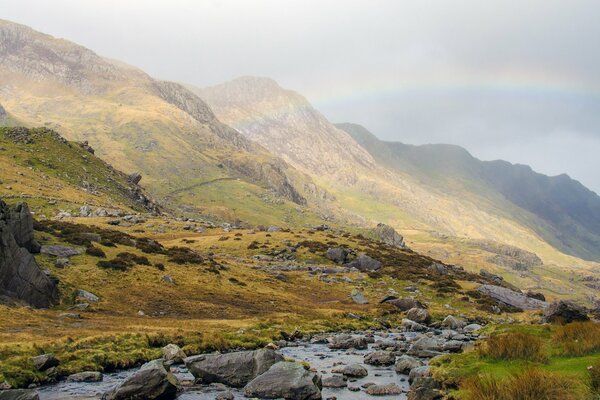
[(337, 254), (494, 278), (61, 262), (21, 278), (87, 376), (358, 297), (225, 396), (425, 388), (364, 263), (404, 304), (345, 341), (168, 279), (453, 322), (384, 390), (438, 268), (418, 315), (453, 346), (472, 328), (407, 363), (352, 371), (380, 358), (18, 394), (152, 381), (419, 372), (85, 211), (84, 294), (565, 312), (389, 236), (173, 353), (45, 361), (287, 380), (61, 251), (233, 369), (135, 178), (426, 346), (335, 381), (412, 326), (512, 298)]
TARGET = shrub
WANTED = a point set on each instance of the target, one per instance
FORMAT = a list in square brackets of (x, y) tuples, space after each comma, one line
[(513, 346), (133, 259), (578, 338), (532, 384), (184, 255), (160, 266), (115, 264), (95, 251), (124, 261)]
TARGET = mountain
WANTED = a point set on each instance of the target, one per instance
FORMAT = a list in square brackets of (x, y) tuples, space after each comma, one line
[(566, 214), (139, 124)]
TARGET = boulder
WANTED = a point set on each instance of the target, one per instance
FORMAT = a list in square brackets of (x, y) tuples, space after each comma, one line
[(453, 322), (418, 315), (389, 236), (536, 295), (364, 263), (380, 358), (18, 394), (492, 277), (61, 251), (405, 304), (512, 298), (233, 369), (437, 268), (21, 278), (45, 361), (87, 376), (151, 381), (419, 372), (287, 380), (426, 346), (84, 294), (564, 312), (173, 353), (412, 326), (337, 254), (358, 297), (425, 388), (135, 178), (472, 328), (335, 381), (384, 390), (352, 371), (227, 395), (407, 363), (345, 341)]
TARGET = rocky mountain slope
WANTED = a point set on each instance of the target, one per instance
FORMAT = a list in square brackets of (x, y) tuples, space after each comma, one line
[(449, 218), (137, 123), (560, 209)]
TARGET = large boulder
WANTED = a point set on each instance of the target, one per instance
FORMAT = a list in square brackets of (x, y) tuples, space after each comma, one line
[(18, 394), (44, 361), (380, 357), (21, 278), (352, 371), (233, 369), (404, 304), (564, 312), (512, 298), (86, 376), (427, 346), (364, 263), (418, 315), (152, 381), (286, 380), (345, 341), (389, 236), (425, 388), (453, 322), (337, 254), (173, 353), (358, 297), (407, 363)]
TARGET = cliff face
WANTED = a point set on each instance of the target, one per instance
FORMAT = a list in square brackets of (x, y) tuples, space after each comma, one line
[(20, 276)]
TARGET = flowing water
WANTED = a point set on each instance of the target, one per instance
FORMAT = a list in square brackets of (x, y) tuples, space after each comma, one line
[(319, 356)]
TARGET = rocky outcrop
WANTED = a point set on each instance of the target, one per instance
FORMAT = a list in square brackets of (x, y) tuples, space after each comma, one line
[(233, 369), (3, 116), (152, 382), (389, 236), (509, 256), (18, 394), (364, 263), (512, 298), (286, 380), (564, 312), (21, 278)]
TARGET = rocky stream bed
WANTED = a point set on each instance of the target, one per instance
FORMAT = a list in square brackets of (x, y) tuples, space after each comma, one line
[(390, 364)]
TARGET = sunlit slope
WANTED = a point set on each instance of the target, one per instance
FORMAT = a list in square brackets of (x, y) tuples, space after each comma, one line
[(134, 122)]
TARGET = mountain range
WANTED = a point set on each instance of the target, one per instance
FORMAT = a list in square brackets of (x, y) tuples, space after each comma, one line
[(249, 150)]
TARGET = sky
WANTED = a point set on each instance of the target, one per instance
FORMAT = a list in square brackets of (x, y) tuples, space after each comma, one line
[(507, 79)]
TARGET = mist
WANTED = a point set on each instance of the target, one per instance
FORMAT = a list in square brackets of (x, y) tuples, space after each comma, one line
[(507, 80)]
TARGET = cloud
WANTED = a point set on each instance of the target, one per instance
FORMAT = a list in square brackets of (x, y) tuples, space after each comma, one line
[(504, 79)]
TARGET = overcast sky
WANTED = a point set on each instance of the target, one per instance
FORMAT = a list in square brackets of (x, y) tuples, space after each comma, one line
[(509, 79)]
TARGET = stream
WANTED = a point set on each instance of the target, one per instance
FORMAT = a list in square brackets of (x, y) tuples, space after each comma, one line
[(319, 356)]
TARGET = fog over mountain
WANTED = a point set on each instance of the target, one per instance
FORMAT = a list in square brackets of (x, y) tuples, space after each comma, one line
[(506, 80)]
